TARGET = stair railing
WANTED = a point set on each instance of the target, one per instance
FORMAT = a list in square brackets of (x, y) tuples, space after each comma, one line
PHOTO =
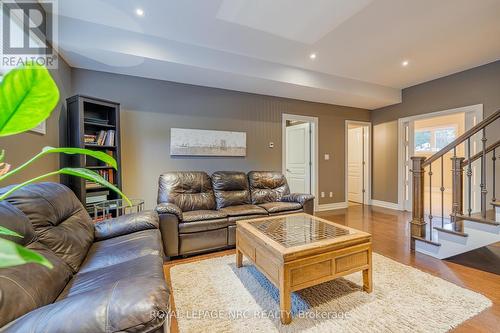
[(418, 224)]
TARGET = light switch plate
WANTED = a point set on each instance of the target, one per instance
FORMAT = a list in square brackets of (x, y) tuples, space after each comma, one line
[(271, 144), (327, 157)]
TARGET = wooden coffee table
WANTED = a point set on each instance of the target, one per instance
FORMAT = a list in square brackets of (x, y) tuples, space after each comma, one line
[(298, 251)]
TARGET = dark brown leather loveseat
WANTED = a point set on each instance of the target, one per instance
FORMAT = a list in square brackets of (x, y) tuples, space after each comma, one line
[(107, 277), (198, 213)]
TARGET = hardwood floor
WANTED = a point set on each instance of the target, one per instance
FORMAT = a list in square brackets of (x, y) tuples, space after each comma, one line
[(390, 230)]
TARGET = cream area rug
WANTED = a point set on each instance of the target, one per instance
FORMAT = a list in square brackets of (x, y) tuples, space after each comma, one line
[(214, 296)]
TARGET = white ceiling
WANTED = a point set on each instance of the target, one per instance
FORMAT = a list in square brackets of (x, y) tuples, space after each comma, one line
[(263, 46)]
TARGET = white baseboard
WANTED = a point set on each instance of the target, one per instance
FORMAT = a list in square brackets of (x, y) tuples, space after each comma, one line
[(331, 206), (385, 204)]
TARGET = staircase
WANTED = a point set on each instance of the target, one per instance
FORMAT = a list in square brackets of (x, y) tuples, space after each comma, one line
[(466, 228)]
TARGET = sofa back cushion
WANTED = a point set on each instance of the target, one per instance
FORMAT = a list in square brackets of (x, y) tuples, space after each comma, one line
[(267, 186), (190, 190), (26, 287), (230, 188), (60, 221)]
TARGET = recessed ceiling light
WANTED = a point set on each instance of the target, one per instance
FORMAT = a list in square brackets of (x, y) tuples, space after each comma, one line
[(312, 56), (405, 63), (139, 12)]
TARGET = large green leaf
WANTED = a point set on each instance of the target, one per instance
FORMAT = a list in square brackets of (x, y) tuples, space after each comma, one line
[(95, 177), (5, 231), (77, 172), (28, 95), (12, 254), (102, 156)]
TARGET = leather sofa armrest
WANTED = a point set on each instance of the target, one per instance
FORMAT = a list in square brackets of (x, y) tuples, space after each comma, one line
[(126, 224), (169, 208), (170, 217), (297, 197), (306, 200)]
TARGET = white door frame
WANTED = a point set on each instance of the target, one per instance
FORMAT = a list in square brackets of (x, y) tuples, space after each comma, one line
[(368, 164), (477, 109), (314, 122)]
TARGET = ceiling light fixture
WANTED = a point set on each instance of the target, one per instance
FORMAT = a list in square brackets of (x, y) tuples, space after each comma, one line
[(312, 56), (139, 12), (405, 63)]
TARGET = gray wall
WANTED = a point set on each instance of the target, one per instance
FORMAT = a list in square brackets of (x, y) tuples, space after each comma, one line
[(151, 107), (21, 147), (480, 85)]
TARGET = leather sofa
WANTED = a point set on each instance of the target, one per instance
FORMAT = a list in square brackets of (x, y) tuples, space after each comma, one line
[(198, 213), (106, 277)]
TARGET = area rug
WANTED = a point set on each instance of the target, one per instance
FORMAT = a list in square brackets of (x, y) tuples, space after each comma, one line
[(214, 296)]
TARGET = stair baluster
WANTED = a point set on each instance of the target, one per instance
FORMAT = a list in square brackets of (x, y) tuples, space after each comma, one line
[(484, 190), (430, 201), (469, 180), (494, 159), (442, 192)]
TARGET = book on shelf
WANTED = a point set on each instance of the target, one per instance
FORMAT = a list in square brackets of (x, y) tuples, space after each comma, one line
[(110, 138), (101, 138), (90, 138)]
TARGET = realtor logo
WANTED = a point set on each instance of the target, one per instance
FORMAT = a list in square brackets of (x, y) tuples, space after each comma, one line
[(29, 31)]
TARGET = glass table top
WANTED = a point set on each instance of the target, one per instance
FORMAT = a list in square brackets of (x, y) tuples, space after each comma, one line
[(296, 230)]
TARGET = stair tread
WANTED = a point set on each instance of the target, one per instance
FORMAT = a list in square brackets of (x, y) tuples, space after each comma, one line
[(451, 231), (427, 241), (490, 218)]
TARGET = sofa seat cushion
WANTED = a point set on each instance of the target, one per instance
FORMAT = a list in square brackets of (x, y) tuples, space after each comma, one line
[(202, 215), (147, 267), (199, 226), (277, 207), (133, 304), (123, 248), (240, 210)]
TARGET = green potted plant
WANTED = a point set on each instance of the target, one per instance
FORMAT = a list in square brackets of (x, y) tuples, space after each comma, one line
[(28, 95)]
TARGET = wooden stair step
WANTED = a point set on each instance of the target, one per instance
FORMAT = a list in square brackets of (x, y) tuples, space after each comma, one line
[(453, 232), (426, 241), (490, 218)]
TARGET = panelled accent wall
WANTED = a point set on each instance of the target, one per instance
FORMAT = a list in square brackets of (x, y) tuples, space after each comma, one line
[(480, 85), (151, 107)]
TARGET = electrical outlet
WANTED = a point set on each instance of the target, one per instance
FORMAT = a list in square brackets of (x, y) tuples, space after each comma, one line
[(322, 194), (331, 194)]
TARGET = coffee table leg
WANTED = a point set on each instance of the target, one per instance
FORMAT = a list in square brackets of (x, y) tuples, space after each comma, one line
[(285, 297), (239, 258), (367, 280)]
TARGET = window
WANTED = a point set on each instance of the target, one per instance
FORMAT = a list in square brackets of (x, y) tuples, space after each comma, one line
[(434, 139)]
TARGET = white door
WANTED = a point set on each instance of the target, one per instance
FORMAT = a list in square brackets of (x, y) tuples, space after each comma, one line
[(355, 165), (298, 158)]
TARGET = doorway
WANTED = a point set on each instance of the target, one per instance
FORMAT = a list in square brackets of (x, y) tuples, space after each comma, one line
[(300, 151), (358, 152), (426, 134)]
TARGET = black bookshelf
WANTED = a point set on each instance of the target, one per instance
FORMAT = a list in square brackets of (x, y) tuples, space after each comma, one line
[(88, 117)]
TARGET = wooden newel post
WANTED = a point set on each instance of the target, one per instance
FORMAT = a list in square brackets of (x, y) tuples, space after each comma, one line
[(457, 186), (417, 224)]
